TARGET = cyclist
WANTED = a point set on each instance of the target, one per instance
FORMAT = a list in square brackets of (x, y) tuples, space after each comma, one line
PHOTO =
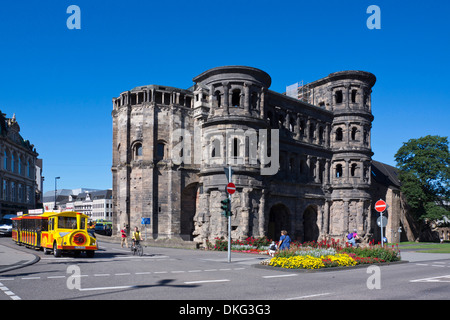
[(136, 237)]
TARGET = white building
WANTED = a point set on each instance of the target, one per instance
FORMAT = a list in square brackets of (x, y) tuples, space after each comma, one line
[(96, 204)]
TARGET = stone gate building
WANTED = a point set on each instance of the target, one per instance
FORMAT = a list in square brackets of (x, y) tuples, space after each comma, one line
[(303, 164)]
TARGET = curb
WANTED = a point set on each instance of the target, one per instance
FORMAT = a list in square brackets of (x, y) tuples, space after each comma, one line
[(360, 266)]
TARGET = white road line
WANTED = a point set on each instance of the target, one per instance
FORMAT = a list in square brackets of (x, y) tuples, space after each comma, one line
[(433, 279), (101, 275), (280, 276), (56, 277), (31, 278), (142, 273), (206, 281), (107, 288), (9, 293), (122, 274), (310, 296), (195, 271)]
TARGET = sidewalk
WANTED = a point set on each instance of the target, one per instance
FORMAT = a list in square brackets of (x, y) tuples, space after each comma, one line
[(11, 258)]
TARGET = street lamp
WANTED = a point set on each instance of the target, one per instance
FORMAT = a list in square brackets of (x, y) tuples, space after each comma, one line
[(56, 178)]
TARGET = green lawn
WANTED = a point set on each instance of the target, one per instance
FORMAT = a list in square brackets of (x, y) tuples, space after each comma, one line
[(430, 247)]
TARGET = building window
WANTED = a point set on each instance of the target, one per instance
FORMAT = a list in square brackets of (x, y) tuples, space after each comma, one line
[(354, 131), (339, 171), (218, 98), (215, 148), (353, 170), (339, 96), (236, 98), (137, 150), (5, 161), (339, 134), (354, 95), (160, 151), (235, 147)]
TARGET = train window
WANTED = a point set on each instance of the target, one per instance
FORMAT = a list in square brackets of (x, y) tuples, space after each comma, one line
[(67, 223)]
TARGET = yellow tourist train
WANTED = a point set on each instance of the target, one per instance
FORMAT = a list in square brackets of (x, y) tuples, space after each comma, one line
[(56, 232)]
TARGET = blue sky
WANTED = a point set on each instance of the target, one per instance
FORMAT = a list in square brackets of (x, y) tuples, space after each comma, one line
[(60, 82)]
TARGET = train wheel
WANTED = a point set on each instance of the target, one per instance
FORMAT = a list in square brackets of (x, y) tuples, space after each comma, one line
[(56, 251)]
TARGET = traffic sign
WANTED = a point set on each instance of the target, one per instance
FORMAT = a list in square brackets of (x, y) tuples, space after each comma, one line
[(380, 205), (382, 221), (231, 188)]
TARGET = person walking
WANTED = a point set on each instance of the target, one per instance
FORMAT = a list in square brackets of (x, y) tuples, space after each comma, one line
[(285, 241), (124, 237)]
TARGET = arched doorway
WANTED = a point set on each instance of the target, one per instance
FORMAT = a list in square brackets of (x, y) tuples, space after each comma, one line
[(310, 228), (188, 205), (278, 220)]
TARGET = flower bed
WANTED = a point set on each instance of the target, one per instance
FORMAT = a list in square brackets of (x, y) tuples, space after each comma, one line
[(312, 255)]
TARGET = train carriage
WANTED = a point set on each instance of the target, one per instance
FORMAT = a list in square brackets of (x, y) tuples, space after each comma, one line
[(55, 232)]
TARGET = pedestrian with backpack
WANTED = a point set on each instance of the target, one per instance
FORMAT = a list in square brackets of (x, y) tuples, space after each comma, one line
[(352, 237)]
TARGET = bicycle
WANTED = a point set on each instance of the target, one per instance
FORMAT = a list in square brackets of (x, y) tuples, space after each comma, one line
[(137, 249)]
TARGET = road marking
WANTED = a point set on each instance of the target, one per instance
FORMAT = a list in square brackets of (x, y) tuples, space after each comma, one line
[(206, 281), (433, 279), (280, 276), (9, 293), (56, 277), (107, 288), (310, 296), (101, 275), (31, 278), (437, 265), (142, 273), (122, 274), (195, 271)]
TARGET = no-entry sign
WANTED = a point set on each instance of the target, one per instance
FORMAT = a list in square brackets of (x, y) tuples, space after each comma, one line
[(380, 205), (231, 188)]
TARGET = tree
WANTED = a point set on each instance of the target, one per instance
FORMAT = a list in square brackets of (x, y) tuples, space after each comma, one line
[(424, 171)]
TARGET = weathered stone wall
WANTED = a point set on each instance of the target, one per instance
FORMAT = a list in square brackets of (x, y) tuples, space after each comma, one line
[(318, 187)]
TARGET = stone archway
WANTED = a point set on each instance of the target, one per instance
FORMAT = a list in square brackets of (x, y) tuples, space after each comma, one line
[(310, 227), (187, 212), (279, 219)]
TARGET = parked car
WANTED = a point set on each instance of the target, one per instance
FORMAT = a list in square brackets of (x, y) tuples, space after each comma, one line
[(6, 225), (103, 229)]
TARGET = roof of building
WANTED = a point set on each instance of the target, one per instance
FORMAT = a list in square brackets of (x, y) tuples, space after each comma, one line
[(385, 174)]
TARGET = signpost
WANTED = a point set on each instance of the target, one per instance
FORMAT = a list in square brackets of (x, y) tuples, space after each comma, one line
[(145, 222), (380, 206), (231, 188)]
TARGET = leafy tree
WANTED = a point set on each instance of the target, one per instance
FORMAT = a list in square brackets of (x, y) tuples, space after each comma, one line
[(424, 171)]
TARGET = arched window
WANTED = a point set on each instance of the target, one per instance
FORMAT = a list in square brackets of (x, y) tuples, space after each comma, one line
[(160, 149), (137, 150)]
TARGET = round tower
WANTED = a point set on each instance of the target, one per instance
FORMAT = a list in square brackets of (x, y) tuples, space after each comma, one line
[(229, 109), (350, 100)]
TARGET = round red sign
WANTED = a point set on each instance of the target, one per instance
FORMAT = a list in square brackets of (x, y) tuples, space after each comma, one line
[(231, 188), (380, 205)]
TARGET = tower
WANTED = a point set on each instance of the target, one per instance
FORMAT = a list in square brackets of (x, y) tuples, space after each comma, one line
[(348, 95)]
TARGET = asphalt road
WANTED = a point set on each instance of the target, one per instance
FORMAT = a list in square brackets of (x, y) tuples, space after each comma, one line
[(178, 274)]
